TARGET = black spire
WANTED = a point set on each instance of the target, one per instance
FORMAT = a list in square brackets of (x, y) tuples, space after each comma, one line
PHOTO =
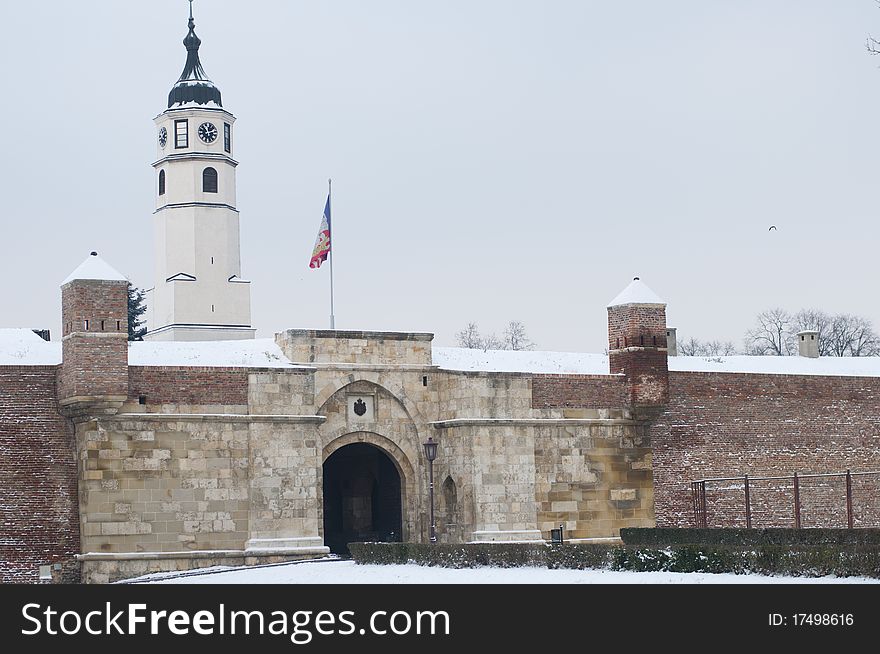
[(193, 85)]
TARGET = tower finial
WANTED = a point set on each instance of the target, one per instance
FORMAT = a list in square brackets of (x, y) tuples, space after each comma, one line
[(193, 84)]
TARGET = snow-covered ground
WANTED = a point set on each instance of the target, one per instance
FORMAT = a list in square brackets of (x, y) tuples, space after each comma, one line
[(347, 572)]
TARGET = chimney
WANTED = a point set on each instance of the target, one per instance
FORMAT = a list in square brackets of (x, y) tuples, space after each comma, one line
[(671, 342), (808, 343)]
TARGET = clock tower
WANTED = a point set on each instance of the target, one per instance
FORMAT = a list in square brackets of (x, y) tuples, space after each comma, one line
[(199, 292)]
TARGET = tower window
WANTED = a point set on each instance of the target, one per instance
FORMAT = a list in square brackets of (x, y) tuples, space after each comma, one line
[(161, 182), (227, 137), (209, 180), (181, 134)]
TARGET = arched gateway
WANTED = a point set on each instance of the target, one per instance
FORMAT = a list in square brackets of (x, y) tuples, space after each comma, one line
[(362, 497)]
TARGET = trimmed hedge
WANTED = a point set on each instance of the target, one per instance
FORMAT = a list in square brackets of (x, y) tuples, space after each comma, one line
[(821, 560), (468, 555), (750, 537)]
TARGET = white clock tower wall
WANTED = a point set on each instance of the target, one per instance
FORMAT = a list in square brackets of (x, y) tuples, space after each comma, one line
[(199, 292)]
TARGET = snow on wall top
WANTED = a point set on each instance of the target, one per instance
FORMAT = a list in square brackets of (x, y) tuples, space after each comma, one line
[(774, 365), (636, 293), (257, 353), (560, 363), (21, 347), (94, 267)]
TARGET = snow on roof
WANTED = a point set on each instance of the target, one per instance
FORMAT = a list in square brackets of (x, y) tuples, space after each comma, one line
[(636, 293), (453, 358), (257, 353), (21, 347), (94, 267)]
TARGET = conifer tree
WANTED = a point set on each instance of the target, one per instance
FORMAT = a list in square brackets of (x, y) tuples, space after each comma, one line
[(136, 309)]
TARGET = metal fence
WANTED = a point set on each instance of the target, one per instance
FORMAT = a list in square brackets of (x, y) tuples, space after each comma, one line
[(842, 499)]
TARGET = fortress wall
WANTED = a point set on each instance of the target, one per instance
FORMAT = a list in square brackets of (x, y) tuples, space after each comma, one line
[(188, 386), (593, 479), (163, 485), (578, 391), (38, 492), (731, 424)]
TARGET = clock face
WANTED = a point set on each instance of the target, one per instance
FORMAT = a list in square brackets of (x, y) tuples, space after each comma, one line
[(207, 132), (163, 137)]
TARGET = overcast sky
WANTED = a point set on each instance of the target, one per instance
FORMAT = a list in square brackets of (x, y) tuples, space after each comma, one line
[(492, 160)]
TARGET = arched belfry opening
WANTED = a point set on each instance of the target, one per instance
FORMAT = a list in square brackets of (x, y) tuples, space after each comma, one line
[(362, 497)]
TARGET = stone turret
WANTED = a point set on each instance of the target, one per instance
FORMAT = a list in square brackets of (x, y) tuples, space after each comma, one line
[(637, 344), (94, 310)]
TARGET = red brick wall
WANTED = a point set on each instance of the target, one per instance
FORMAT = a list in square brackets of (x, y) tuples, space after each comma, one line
[(95, 358), (636, 345), (728, 424), (39, 515), (636, 325), (578, 391), (95, 301), (189, 385)]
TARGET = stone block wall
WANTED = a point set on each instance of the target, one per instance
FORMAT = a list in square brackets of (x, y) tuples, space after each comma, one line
[(163, 485), (503, 478), (483, 395), (284, 476), (356, 347), (39, 517), (594, 479), (280, 392)]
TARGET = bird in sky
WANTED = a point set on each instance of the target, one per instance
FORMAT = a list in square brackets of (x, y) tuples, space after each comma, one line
[(772, 228)]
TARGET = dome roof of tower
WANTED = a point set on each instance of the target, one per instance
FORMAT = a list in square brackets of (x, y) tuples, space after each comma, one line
[(636, 293), (94, 267), (193, 87)]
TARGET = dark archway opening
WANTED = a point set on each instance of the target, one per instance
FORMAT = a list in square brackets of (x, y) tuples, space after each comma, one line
[(362, 500)]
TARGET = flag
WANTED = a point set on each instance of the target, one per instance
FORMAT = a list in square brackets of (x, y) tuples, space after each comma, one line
[(322, 244)]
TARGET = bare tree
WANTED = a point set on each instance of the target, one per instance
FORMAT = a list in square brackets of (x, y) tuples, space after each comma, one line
[(852, 336), (873, 44), (719, 348), (470, 338), (690, 347), (772, 333), (842, 335), (492, 342), (694, 347), (865, 342), (515, 337)]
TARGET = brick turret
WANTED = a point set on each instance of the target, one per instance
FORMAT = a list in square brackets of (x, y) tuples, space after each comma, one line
[(637, 344), (94, 309)]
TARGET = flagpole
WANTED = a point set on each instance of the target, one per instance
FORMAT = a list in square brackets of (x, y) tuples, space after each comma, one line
[(330, 255)]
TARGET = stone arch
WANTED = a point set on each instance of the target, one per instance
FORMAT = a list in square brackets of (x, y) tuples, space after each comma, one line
[(408, 483), (396, 391)]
